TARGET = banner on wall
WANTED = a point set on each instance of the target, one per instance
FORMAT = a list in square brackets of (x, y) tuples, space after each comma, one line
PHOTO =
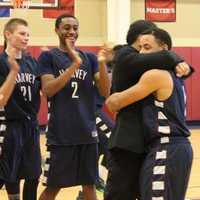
[(160, 10), (65, 6), (4, 12)]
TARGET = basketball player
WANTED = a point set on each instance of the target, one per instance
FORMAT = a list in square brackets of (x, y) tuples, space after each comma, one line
[(127, 141), (7, 86), (166, 168), (20, 152), (72, 136)]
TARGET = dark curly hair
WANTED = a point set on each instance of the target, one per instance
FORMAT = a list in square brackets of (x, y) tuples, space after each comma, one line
[(162, 36), (59, 19)]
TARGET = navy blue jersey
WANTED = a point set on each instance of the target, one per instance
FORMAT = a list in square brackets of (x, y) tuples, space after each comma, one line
[(99, 100), (166, 118), (25, 99), (72, 109)]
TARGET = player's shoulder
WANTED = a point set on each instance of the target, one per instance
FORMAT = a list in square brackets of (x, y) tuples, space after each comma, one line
[(27, 57), (3, 63), (88, 54), (125, 51), (3, 55), (156, 75), (46, 55)]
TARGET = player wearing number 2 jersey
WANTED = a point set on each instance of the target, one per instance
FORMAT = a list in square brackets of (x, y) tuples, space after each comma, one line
[(71, 136)]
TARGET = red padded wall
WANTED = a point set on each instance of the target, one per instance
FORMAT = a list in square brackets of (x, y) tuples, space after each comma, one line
[(195, 89)]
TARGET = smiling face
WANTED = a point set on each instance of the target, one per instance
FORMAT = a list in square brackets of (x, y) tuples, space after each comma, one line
[(149, 44), (18, 37), (68, 29)]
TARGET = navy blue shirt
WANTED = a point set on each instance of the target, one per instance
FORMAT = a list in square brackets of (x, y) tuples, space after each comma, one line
[(72, 109), (99, 100), (166, 118), (25, 100)]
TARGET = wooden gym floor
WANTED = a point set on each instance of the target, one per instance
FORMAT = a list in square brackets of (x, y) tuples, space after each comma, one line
[(193, 192)]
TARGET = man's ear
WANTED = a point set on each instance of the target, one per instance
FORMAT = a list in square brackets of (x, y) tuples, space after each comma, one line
[(7, 34)]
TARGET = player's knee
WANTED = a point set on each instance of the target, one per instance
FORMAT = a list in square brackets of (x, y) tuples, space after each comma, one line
[(30, 189), (49, 193)]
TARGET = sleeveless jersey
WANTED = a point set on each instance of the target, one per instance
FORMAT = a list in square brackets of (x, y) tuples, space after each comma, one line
[(166, 118)]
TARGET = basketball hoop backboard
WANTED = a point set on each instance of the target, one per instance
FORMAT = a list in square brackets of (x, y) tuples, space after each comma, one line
[(33, 4)]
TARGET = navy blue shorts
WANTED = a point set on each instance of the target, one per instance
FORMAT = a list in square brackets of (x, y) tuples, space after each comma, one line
[(166, 170), (103, 122), (104, 126), (68, 166), (20, 158)]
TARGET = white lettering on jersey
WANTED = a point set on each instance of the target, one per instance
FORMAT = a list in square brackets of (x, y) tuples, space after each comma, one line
[(79, 74), (25, 77)]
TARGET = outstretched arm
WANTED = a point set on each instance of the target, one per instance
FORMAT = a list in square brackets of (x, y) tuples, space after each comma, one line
[(151, 81), (52, 85), (8, 85), (140, 63)]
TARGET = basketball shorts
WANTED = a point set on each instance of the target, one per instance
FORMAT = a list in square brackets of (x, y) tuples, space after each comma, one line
[(72, 165), (20, 154), (166, 170)]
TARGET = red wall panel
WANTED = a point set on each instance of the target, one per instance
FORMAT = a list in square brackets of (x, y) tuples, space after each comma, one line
[(195, 90)]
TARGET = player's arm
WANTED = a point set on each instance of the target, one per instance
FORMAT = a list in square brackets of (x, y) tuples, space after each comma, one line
[(102, 79), (151, 81), (51, 84), (8, 85), (145, 62)]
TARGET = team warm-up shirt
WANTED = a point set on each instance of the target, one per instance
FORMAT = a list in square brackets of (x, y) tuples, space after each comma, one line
[(72, 109), (25, 100), (129, 66), (166, 118)]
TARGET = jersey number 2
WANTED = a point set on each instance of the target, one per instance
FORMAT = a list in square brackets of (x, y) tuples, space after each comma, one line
[(75, 87)]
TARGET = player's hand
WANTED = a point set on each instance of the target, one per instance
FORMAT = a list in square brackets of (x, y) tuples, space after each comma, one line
[(105, 53), (73, 54), (113, 102), (182, 69), (14, 66)]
